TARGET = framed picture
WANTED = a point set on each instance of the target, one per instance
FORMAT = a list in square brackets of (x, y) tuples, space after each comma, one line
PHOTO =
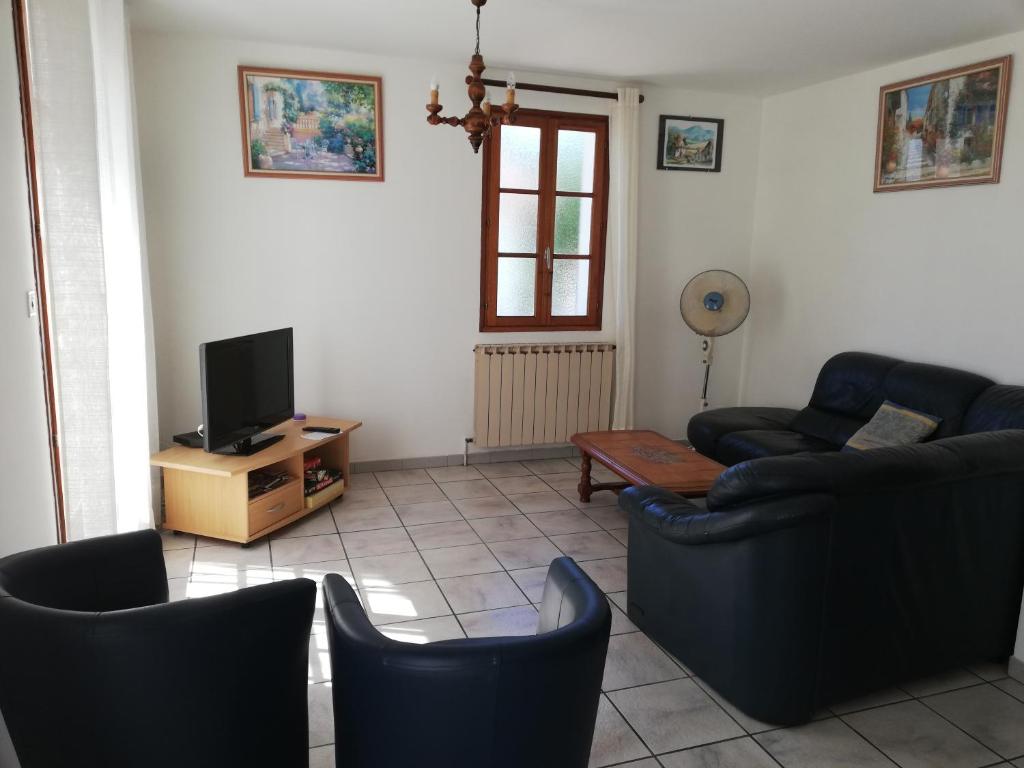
[(943, 129), (690, 143), (311, 125)]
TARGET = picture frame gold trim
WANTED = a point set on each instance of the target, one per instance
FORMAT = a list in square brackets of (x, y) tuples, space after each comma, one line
[(243, 102), (1005, 65)]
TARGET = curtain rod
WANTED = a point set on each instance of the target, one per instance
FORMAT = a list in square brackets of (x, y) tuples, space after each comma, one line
[(557, 89)]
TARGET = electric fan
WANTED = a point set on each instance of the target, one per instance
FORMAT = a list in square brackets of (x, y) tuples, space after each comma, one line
[(713, 304)]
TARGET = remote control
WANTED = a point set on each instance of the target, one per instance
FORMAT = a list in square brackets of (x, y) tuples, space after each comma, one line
[(328, 430)]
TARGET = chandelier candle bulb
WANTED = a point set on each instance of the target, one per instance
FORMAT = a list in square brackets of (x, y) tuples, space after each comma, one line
[(510, 94), (433, 92), (485, 105)]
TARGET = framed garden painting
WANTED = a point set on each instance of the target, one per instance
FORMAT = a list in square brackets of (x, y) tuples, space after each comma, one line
[(943, 129), (690, 143), (311, 125)]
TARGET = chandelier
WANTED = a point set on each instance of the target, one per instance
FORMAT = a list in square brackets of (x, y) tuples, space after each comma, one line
[(482, 116)]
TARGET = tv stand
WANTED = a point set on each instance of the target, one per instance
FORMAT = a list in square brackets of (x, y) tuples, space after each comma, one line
[(208, 493), (250, 445)]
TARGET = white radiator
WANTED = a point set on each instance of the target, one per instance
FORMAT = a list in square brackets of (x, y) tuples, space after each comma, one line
[(528, 394)]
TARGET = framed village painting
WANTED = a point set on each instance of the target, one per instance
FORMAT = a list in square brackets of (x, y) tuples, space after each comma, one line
[(943, 129), (690, 143), (311, 125)]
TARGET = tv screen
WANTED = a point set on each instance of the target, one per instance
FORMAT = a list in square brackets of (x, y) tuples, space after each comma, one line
[(248, 387)]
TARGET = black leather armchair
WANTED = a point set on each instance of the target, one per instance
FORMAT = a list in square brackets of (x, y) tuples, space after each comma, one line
[(502, 702), (97, 669), (821, 577)]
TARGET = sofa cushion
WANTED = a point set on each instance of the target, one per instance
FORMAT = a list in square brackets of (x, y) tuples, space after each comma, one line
[(842, 473), (893, 424), (852, 384), (758, 443), (944, 392), (998, 407), (707, 428)]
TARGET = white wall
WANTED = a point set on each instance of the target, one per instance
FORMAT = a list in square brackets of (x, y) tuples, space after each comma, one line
[(929, 275), (381, 281), (27, 516)]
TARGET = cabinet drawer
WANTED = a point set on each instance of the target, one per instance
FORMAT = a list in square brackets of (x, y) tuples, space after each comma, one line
[(275, 506)]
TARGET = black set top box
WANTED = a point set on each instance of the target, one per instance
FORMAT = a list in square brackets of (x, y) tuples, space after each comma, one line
[(189, 439)]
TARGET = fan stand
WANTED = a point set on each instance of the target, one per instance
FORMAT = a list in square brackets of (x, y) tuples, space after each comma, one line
[(707, 348)]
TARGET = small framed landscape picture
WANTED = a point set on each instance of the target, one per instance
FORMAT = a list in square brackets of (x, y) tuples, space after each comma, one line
[(943, 129), (690, 143), (311, 125)]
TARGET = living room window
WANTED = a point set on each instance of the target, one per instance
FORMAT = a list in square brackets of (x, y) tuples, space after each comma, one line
[(545, 211)]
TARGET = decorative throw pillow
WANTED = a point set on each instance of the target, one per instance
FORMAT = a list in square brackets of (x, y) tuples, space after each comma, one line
[(893, 424)]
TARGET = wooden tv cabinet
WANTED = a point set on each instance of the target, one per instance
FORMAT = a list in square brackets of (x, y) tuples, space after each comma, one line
[(208, 493)]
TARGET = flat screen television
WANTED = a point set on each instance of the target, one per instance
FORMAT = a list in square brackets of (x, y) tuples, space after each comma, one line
[(248, 387)]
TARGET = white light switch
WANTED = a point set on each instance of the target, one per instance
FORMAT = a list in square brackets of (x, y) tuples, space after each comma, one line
[(33, 304)]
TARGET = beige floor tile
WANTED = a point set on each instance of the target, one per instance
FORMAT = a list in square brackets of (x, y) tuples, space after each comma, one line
[(178, 562), (674, 715), (307, 549), (539, 502), (428, 512), (491, 506), (620, 621), (386, 541), (621, 535), (609, 518), (171, 540), (563, 521), (614, 740), (177, 589), (389, 570), (369, 519), (362, 480), (822, 744), (460, 561), (915, 737), (633, 659), (989, 714), (469, 489), (563, 481), (609, 575), (505, 528), (424, 630), (876, 699), (414, 494), (322, 757), (318, 666), (321, 715), (502, 622), (596, 545), (525, 553), (945, 681), (748, 723), (502, 469), (1012, 687), (548, 466), (232, 558), (454, 474), (399, 477), (318, 523), (361, 498), (404, 602), (314, 571), (597, 499), (737, 753), (521, 484), (989, 670), (481, 592), (438, 535), (531, 581)]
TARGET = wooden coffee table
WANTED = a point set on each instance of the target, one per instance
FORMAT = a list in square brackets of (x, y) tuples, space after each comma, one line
[(643, 457)]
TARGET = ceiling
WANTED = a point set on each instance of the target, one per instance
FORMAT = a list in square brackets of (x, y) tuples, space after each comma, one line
[(743, 46)]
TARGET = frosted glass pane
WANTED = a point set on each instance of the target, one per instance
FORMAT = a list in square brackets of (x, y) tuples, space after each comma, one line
[(576, 161), (517, 286), (520, 157), (569, 287), (572, 225), (517, 223)]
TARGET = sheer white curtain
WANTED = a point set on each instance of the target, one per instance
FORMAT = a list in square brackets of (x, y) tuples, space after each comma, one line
[(86, 153), (625, 143)]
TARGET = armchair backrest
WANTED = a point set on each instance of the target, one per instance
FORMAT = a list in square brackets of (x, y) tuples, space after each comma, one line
[(504, 702)]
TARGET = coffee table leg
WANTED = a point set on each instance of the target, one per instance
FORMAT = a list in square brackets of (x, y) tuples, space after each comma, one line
[(584, 487)]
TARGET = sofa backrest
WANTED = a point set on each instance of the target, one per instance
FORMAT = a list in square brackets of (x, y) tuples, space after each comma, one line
[(842, 474), (998, 407), (853, 385)]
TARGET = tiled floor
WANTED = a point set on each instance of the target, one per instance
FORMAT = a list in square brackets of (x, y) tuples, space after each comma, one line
[(463, 551)]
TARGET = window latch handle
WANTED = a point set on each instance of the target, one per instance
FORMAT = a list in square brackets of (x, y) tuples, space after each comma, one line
[(547, 258)]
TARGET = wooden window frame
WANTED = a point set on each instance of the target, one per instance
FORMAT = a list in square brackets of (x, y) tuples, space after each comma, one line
[(550, 123)]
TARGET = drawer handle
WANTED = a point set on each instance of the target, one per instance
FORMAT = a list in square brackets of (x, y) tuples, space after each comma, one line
[(276, 508)]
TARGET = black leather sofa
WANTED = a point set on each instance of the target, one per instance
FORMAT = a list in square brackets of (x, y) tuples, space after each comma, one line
[(98, 669), (850, 388), (814, 578), (499, 702)]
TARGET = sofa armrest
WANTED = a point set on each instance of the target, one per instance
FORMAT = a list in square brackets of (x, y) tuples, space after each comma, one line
[(681, 521), (106, 573), (707, 428)]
